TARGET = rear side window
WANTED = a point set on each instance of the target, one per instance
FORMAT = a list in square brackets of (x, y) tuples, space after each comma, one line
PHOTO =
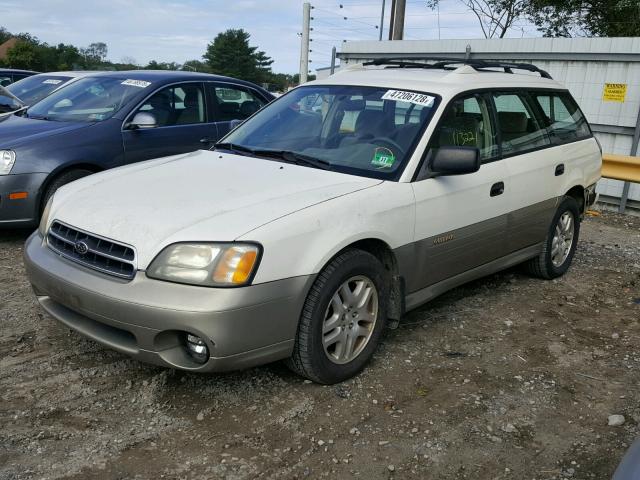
[(236, 103), (520, 130), (564, 119)]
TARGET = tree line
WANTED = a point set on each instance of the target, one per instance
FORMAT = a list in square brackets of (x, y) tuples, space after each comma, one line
[(556, 18), (230, 54)]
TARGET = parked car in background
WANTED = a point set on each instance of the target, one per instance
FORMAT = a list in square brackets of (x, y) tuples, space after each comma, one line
[(8, 102), (109, 119), (34, 88), (345, 202), (10, 75)]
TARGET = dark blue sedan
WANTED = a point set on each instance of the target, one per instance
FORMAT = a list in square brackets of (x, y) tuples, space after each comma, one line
[(110, 119)]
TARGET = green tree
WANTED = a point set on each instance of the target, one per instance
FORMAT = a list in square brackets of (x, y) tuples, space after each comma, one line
[(230, 54), (195, 66), (603, 18), (4, 35), (153, 65), (95, 55)]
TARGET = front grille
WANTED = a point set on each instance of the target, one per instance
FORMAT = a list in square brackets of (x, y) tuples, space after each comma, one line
[(92, 251)]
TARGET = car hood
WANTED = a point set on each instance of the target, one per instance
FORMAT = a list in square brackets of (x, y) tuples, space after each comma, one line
[(16, 130), (201, 196)]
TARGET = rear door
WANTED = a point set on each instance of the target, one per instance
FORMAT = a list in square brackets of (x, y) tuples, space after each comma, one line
[(183, 124), (232, 103), (461, 221), (534, 169)]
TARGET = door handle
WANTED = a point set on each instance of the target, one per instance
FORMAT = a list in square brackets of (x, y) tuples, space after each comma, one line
[(497, 189), (559, 169), (205, 140)]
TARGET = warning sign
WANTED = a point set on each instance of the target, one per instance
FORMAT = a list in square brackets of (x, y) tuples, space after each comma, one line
[(614, 92)]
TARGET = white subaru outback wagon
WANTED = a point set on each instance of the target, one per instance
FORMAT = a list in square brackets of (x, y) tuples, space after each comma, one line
[(341, 205)]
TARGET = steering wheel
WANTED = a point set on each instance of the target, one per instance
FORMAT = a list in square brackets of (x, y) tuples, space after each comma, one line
[(392, 145)]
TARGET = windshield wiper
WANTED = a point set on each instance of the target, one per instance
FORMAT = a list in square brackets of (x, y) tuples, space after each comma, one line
[(296, 158), (234, 147), (288, 156)]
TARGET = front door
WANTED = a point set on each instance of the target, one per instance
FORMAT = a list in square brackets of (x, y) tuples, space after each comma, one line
[(461, 220), (183, 124)]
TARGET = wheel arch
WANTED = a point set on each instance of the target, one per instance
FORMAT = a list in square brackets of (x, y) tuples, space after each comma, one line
[(384, 253), (577, 192), (62, 169)]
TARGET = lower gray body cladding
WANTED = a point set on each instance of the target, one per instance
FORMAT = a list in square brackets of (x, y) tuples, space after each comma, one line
[(146, 318)]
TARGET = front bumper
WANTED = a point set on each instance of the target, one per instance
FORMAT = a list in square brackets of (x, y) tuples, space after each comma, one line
[(146, 318), (22, 212)]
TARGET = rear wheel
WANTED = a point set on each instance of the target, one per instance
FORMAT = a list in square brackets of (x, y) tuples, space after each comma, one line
[(560, 243), (62, 179), (342, 319)]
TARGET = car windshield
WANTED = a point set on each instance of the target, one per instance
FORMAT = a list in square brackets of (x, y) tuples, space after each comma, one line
[(367, 131), (90, 99), (35, 88)]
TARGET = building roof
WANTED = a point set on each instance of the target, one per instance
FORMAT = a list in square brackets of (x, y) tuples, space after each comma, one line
[(6, 46)]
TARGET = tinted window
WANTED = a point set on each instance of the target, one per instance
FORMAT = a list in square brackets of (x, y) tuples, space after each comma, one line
[(519, 128), (90, 99), (5, 80), (32, 89), (563, 117), (177, 105), (236, 103), (466, 123), (366, 131)]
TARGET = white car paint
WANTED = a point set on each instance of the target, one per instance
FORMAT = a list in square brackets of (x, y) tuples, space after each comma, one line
[(200, 196), (303, 216)]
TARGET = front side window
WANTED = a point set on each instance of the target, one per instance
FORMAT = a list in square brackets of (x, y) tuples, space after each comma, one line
[(32, 89), (565, 120), (236, 103), (520, 130), (366, 131), (90, 99), (177, 105), (466, 123)]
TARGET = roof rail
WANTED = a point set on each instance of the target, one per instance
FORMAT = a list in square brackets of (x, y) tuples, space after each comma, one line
[(446, 63)]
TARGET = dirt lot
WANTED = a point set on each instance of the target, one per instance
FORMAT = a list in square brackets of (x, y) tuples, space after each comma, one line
[(507, 377)]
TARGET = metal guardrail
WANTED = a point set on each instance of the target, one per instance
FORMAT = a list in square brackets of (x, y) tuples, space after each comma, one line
[(621, 167)]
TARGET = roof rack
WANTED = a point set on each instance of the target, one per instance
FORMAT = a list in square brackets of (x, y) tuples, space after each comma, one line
[(445, 63)]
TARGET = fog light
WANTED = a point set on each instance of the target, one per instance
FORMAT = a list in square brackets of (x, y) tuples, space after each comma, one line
[(197, 348)]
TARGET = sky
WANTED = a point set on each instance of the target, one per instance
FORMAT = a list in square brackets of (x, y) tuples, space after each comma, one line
[(179, 30)]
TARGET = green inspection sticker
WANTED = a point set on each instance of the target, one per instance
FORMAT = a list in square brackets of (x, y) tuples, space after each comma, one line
[(383, 158)]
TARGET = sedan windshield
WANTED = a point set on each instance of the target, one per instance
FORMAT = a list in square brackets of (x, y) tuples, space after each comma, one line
[(366, 131), (90, 99), (35, 88)]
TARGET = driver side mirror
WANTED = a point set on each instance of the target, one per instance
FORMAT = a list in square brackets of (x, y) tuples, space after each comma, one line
[(143, 120), (454, 161)]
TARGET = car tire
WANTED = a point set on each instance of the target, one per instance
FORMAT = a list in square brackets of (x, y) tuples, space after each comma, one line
[(329, 312), (62, 179), (557, 253)]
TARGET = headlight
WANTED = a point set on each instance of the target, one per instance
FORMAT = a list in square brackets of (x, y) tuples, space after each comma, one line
[(7, 159), (44, 220), (206, 264)]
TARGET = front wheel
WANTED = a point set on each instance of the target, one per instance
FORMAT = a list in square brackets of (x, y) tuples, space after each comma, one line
[(560, 243), (342, 319)]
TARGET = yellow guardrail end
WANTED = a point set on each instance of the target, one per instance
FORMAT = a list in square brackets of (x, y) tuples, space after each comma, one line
[(621, 167)]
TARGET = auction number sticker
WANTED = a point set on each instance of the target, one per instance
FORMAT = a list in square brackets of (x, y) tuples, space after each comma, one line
[(136, 83), (411, 97), (52, 81)]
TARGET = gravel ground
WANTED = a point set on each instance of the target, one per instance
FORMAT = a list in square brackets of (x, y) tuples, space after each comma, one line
[(507, 377)]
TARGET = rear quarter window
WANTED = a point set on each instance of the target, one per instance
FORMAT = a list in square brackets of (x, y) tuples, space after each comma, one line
[(565, 121)]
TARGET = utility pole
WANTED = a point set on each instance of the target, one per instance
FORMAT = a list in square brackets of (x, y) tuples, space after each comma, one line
[(396, 25), (333, 60), (381, 21), (304, 47)]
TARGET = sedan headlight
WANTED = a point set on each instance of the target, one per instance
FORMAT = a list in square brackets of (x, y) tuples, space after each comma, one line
[(206, 264), (7, 159)]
